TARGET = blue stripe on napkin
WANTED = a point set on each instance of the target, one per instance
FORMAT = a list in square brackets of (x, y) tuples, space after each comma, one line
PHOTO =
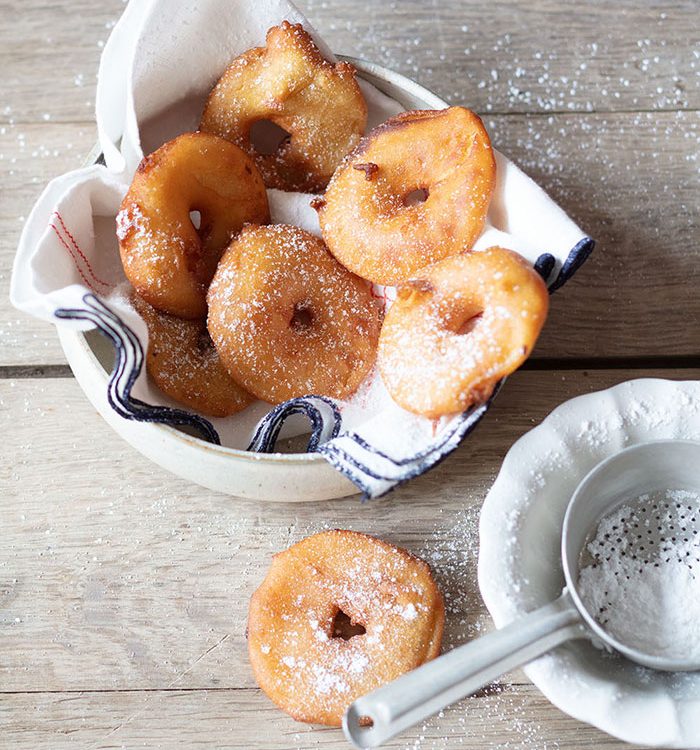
[(373, 471), (127, 366)]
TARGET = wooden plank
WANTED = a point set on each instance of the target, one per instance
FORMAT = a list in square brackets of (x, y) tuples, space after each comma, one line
[(514, 716), (31, 155), (509, 56), (130, 586), (629, 179), (502, 56), (117, 575), (50, 52)]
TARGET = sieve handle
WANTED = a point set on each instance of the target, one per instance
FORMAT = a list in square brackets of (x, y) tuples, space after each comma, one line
[(428, 689)]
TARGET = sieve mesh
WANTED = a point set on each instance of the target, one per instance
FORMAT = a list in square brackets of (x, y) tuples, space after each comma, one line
[(651, 529), (640, 573)]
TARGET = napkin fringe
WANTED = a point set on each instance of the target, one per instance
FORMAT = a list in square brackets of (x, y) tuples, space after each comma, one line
[(354, 457), (575, 259)]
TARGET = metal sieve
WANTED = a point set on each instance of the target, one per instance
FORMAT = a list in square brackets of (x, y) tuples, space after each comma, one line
[(650, 528)]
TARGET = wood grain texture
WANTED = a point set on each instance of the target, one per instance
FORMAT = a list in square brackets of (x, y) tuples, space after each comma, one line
[(631, 180), (509, 56), (503, 56), (140, 581), (124, 590), (50, 51), (516, 717), (117, 575), (31, 155)]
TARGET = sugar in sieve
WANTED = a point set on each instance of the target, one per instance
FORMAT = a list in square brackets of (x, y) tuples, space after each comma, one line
[(648, 530)]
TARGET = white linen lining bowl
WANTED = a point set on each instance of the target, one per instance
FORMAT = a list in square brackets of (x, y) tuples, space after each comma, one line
[(283, 477), (520, 567)]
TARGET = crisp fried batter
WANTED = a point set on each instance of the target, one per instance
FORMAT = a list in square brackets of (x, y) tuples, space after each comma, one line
[(458, 328), (297, 658), (183, 363), (168, 261), (441, 158), (289, 83), (288, 320)]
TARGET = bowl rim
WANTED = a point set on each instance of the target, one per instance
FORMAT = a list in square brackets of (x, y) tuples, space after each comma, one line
[(370, 70), (582, 692)]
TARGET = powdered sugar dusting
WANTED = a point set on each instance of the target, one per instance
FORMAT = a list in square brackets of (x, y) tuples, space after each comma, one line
[(130, 219), (356, 613), (643, 584), (309, 96), (409, 612), (288, 319), (458, 328)]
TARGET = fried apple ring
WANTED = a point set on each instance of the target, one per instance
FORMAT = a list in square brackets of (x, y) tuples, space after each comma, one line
[(167, 260), (289, 83), (458, 328), (415, 190), (183, 363), (308, 665), (288, 320)]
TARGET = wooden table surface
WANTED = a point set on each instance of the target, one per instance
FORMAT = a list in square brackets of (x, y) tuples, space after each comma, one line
[(123, 590)]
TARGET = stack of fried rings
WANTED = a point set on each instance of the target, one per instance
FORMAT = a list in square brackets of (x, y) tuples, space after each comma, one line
[(288, 317), (237, 309), (218, 175), (462, 320)]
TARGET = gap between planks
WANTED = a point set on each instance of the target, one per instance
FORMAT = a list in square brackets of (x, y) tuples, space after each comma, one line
[(228, 689), (485, 691), (28, 372), (491, 113)]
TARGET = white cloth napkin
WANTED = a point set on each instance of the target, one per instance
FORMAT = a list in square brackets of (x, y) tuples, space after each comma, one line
[(155, 73)]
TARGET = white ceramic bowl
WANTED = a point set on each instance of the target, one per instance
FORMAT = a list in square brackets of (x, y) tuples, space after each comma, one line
[(520, 563), (287, 477)]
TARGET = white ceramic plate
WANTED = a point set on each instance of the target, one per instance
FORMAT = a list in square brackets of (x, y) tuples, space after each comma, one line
[(289, 477), (519, 559)]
